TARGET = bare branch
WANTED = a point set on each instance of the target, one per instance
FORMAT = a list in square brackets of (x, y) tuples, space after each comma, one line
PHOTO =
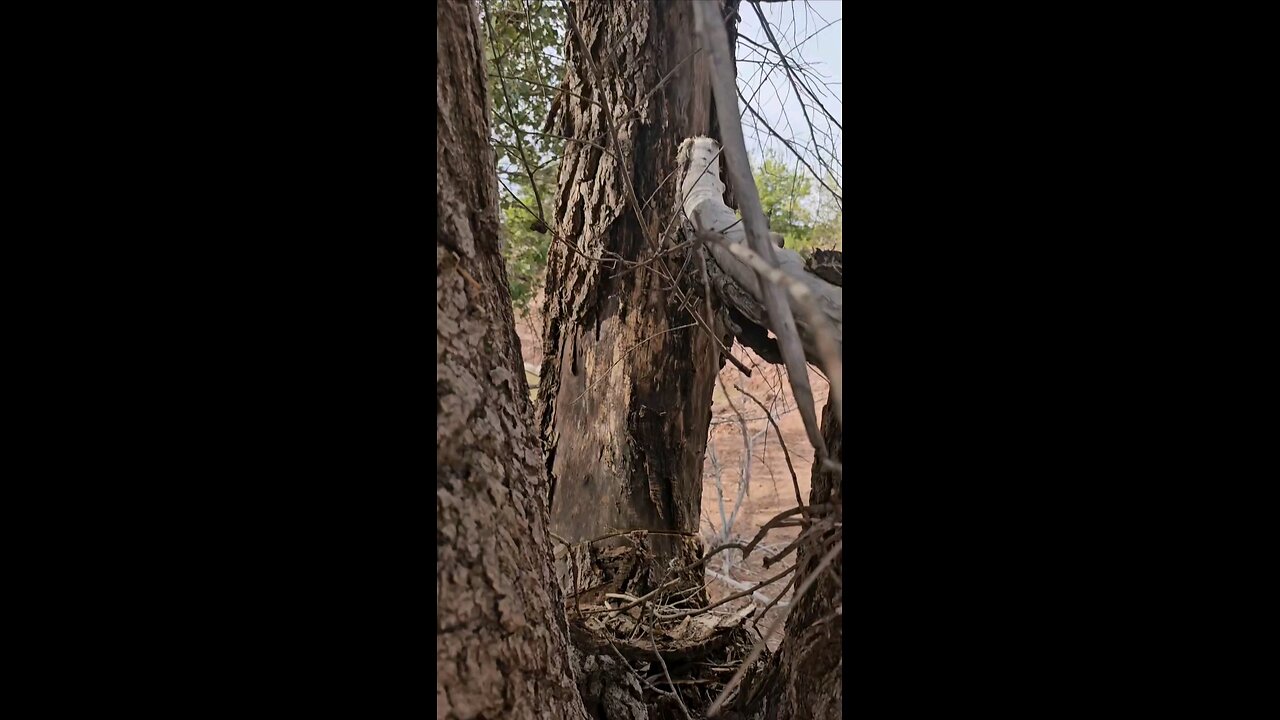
[(795, 481), (537, 197), (799, 155), (728, 598), (755, 595), (818, 301), (716, 40)]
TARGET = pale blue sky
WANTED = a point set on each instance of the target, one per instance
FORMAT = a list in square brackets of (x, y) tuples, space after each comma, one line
[(814, 29)]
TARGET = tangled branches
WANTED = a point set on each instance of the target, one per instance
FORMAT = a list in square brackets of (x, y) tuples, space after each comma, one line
[(671, 638)]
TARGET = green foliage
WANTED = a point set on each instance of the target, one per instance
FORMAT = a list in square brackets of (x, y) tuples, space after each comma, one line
[(828, 229), (523, 41), (805, 221), (783, 193), (525, 69), (525, 252)]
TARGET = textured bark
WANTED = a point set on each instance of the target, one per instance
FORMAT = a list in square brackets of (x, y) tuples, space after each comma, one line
[(625, 395), (501, 638)]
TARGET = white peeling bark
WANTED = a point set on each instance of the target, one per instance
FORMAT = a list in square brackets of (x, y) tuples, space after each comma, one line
[(704, 191)]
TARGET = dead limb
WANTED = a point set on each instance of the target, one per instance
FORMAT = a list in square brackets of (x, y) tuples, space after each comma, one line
[(715, 38)]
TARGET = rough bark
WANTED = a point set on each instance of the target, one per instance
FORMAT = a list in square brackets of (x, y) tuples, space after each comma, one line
[(627, 380), (501, 638)]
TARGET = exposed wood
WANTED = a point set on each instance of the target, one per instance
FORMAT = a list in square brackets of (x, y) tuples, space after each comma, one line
[(739, 285), (631, 351)]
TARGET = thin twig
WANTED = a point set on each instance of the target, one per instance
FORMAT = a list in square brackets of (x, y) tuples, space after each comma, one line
[(537, 197), (667, 674), (642, 678), (746, 550), (729, 598), (542, 85), (768, 31), (714, 710), (795, 481), (799, 155), (755, 595), (813, 531), (645, 532), (790, 581)]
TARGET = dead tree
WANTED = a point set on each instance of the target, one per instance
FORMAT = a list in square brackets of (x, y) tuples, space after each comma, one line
[(634, 338)]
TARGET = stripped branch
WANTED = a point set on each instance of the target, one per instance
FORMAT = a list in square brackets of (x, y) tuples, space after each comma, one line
[(817, 302)]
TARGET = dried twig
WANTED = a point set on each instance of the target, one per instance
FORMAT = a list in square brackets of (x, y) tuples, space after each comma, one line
[(790, 581), (714, 710), (813, 531), (619, 533), (755, 595), (728, 598), (795, 481), (667, 674), (799, 155), (768, 31), (633, 671), (537, 197), (746, 550)]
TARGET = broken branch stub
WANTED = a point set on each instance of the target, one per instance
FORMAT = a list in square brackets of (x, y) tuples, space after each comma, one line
[(806, 292)]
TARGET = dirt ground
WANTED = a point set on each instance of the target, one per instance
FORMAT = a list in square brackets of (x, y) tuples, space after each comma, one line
[(770, 488)]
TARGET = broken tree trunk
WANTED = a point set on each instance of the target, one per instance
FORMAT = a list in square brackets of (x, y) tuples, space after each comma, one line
[(632, 347), (633, 344)]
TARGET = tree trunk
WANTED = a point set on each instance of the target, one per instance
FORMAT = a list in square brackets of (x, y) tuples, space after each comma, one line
[(627, 380), (501, 638)]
